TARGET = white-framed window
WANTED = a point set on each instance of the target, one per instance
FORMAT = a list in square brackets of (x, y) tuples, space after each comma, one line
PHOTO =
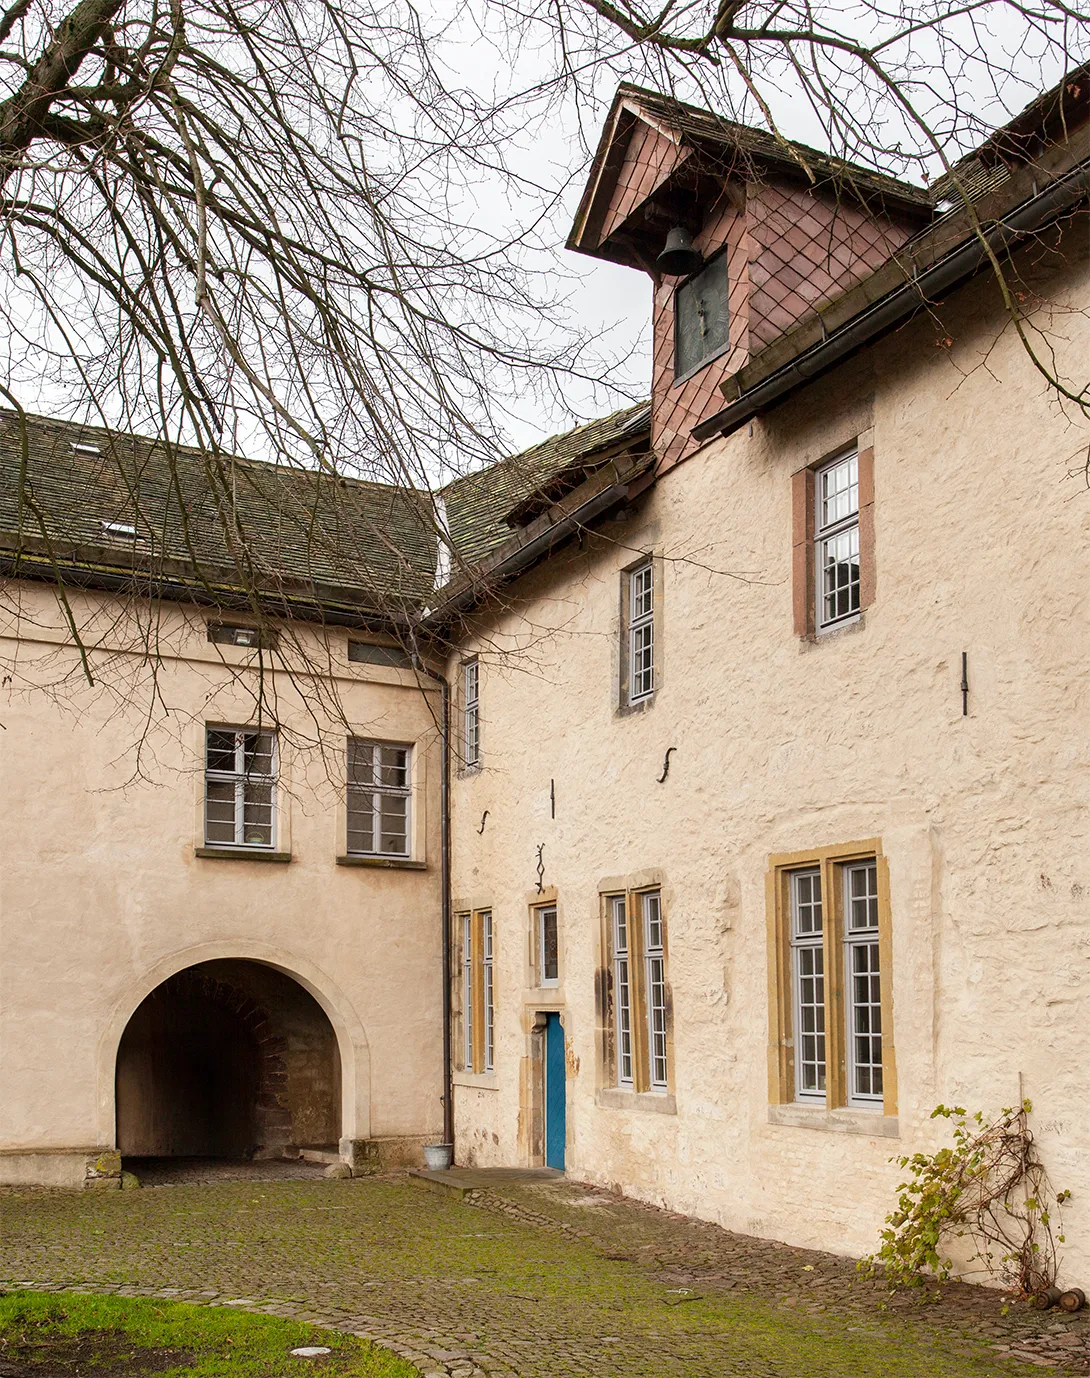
[(808, 979), (548, 947), (836, 540), (478, 996), (489, 1003), (379, 798), (471, 713), (654, 956), (467, 992), (641, 632), (864, 982), (240, 787), (622, 990)]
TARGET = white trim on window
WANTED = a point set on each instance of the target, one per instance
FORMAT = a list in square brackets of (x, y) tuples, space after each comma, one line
[(654, 956), (808, 983), (467, 992), (836, 541), (863, 983), (471, 713), (548, 946), (240, 771), (378, 798), (489, 993), (622, 992), (641, 632)]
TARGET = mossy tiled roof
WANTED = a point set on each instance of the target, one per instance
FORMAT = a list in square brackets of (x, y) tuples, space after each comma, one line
[(477, 505), (228, 522), (218, 526)]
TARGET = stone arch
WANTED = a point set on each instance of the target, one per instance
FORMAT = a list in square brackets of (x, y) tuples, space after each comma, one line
[(347, 1030)]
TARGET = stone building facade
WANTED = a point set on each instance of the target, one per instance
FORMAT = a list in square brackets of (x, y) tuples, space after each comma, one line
[(768, 798)]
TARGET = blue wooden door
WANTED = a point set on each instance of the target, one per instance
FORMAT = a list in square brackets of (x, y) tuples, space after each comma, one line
[(555, 1093)]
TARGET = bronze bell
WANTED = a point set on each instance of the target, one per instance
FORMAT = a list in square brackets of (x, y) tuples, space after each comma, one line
[(679, 257)]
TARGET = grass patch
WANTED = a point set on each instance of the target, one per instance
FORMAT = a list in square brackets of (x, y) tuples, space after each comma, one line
[(56, 1334)]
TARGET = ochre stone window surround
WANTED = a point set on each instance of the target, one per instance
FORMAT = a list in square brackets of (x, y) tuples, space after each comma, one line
[(804, 523), (636, 1022), (790, 1100), (640, 642), (473, 1003)]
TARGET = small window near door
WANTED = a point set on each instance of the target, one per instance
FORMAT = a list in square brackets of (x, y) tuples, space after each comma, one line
[(548, 947)]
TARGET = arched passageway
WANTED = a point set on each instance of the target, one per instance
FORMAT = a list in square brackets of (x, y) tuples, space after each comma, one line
[(227, 1059)]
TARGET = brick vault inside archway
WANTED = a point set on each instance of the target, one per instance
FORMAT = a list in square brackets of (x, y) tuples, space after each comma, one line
[(227, 1059)]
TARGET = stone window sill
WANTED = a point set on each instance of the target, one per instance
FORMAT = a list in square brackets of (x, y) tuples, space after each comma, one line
[(240, 854), (617, 1098), (872, 1124), (839, 630), (478, 1081), (388, 863)]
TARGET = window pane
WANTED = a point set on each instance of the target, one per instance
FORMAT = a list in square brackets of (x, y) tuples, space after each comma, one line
[(810, 1019), (840, 575), (219, 811), (806, 903), (550, 960), (839, 491), (393, 823), (467, 992), (642, 586), (257, 753), (220, 750), (622, 992), (643, 660), (863, 896), (361, 763), (360, 820), (393, 766), (489, 1009), (257, 815), (866, 1017), (656, 1015)]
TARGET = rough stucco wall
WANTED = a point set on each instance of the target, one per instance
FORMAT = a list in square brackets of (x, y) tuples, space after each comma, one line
[(983, 544), (101, 894)]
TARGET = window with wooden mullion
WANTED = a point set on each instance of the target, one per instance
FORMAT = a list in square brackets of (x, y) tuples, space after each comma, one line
[(837, 1002), (639, 1014)]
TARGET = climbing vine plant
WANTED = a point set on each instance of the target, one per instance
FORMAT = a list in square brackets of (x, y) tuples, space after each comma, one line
[(990, 1186)]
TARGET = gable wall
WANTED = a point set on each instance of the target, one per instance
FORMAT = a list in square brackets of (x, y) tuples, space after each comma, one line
[(677, 407), (649, 159)]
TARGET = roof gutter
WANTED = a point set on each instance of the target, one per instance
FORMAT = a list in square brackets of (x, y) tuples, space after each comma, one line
[(900, 304), (534, 550)]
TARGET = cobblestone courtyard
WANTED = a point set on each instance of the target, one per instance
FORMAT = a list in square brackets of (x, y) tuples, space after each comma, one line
[(533, 1279)]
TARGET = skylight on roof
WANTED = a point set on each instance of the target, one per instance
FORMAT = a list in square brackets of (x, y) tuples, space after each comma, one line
[(119, 529)]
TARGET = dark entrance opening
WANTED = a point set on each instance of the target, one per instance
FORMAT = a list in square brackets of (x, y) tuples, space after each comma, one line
[(227, 1059)]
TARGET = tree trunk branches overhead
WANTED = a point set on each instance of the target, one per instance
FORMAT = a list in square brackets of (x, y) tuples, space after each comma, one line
[(324, 231)]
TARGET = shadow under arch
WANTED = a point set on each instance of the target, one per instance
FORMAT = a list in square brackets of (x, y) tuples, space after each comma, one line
[(348, 1031)]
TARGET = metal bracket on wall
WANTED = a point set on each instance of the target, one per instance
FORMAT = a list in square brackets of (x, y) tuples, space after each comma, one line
[(666, 764), (540, 869), (484, 817)]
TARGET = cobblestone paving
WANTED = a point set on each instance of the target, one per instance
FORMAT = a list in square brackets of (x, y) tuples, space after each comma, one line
[(534, 1280)]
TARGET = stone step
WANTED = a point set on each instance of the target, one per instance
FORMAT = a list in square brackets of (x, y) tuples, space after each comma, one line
[(324, 1154)]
